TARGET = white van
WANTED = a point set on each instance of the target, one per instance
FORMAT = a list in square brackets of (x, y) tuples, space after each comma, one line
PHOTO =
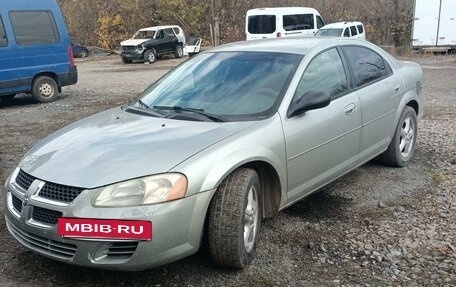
[(263, 23), (348, 29)]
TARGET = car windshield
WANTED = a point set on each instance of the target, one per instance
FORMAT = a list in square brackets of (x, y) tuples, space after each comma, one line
[(329, 32), (144, 34), (237, 86)]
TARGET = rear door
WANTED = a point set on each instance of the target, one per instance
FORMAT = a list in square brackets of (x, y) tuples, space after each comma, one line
[(425, 23), (8, 70), (447, 28), (261, 26), (380, 92), (322, 144)]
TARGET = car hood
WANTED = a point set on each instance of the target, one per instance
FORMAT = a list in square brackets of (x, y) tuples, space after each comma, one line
[(116, 145), (133, 42)]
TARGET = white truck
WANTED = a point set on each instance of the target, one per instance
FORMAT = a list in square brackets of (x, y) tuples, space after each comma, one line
[(434, 26)]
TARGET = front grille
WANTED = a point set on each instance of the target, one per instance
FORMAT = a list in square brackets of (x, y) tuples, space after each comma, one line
[(121, 250), (129, 49), (45, 215), (43, 245), (59, 192), (17, 203), (24, 180)]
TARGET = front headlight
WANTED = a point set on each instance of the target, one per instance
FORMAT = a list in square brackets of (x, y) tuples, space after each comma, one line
[(142, 191)]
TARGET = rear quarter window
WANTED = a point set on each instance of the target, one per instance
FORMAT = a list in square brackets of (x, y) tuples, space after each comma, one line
[(3, 38), (34, 27), (298, 22), (261, 24), (360, 29)]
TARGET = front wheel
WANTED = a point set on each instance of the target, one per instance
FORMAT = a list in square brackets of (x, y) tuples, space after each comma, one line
[(83, 54), (44, 89), (235, 219), (402, 146), (150, 56), (179, 52)]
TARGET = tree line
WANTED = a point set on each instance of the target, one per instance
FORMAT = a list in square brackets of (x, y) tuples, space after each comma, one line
[(107, 23)]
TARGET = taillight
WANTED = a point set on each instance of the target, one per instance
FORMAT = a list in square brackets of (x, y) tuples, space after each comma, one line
[(70, 55), (279, 34)]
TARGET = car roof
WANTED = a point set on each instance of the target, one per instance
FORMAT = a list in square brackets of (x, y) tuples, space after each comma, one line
[(339, 25), (291, 45), (154, 28), (281, 10)]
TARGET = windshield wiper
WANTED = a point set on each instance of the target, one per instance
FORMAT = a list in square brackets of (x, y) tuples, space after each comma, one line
[(179, 109), (142, 104), (142, 109)]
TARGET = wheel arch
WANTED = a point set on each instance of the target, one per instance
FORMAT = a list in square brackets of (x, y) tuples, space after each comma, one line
[(48, 74)]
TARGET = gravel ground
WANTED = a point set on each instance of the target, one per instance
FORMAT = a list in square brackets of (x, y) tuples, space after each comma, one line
[(376, 226)]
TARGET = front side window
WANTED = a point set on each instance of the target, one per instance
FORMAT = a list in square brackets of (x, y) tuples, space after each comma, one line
[(262, 24), (170, 32), (347, 32), (324, 74), (3, 38), (320, 22), (367, 65), (235, 85), (34, 27), (298, 22)]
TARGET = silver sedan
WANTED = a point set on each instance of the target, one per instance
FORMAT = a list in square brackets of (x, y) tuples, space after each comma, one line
[(224, 140)]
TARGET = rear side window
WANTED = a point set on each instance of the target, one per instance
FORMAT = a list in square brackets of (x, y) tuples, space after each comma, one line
[(353, 30), (3, 38), (298, 22), (176, 30), (320, 22), (34, 27), (262, 24), (346, 32), (367, 65), (360, 29)]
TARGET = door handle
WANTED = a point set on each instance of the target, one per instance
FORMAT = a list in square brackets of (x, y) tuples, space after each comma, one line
[(350, 109), (397, 88)]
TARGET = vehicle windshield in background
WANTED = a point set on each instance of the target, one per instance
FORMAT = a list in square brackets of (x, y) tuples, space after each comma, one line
[(329, 32), (262, 24), (234, 85), (144, 35)]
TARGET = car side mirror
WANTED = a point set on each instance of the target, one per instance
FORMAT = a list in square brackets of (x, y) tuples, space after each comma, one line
[(311, 100)]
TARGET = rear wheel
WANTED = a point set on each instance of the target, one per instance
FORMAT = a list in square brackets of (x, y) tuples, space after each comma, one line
[(402, 146), (83, 54), (179, 52), (235, 219), (44, 89), (150, 56)]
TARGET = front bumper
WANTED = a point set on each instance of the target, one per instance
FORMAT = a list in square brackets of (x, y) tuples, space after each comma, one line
[(176, 227), (132, 56)]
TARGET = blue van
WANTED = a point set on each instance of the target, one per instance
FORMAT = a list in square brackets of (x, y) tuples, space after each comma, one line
[(35, 50)]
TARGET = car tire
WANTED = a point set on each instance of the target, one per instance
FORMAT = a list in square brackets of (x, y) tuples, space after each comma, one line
[(179, 52), (150, 56), (234, 221), (83, 54), (45, 89), (402, 146), (125, 60)]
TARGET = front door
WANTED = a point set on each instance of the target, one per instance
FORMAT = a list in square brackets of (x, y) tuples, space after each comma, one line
[(322, 144)]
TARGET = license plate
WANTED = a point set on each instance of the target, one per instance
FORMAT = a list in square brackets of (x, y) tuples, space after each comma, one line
[(104, 228)]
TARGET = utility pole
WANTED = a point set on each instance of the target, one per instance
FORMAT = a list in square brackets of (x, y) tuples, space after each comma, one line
[(215, 25)]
